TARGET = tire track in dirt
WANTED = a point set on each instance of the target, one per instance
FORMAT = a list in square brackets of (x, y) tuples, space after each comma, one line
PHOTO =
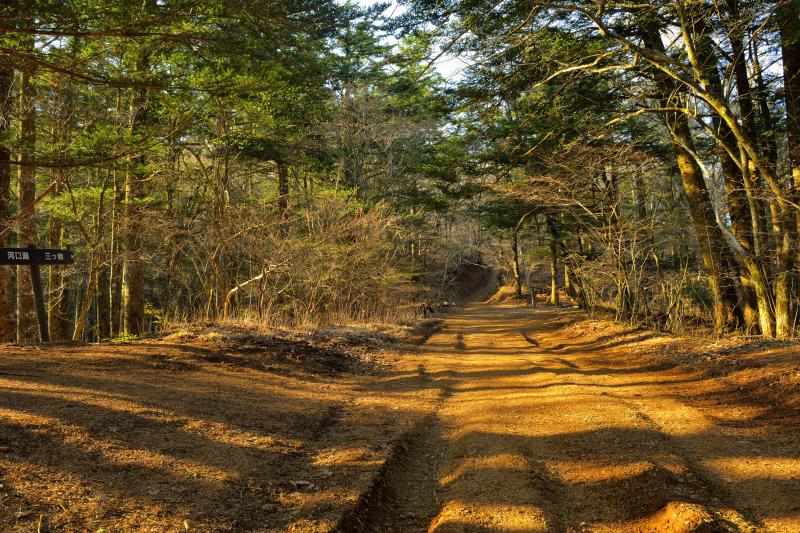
[(405, 495)]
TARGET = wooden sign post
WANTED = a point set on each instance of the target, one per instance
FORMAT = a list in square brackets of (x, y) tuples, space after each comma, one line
[(34, 257)]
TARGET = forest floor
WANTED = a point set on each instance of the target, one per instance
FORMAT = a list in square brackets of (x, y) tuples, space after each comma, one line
[(508, 419)]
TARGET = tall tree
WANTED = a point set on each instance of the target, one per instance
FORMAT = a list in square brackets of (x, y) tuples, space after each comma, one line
[(7, 327), (788, 16), (133, 277), (27, 230)]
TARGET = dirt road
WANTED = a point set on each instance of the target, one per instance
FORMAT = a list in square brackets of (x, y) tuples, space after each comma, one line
[(540, 427), (509, 419)]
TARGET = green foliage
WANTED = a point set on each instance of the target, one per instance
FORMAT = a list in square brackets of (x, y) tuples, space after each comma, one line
[(294, 141)]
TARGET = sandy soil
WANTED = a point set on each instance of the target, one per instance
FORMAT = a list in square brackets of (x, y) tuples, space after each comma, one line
[(509, 419)]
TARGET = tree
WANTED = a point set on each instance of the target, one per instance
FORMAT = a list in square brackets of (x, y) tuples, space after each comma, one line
[(746, 233), (26, 182), (7, 327)]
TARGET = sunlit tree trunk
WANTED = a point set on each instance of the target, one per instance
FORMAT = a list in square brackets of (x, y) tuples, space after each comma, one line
[(568, 288), (526, 271), (783, 230), (709, 236), (738, 186), (114, 278), (789, 23), (26, 316), (553, 273), (103, 311), (554, 246), (515, 262), (86, 303), (133, 267)]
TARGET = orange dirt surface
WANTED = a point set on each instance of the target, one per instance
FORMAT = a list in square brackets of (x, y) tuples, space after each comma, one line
[(509, 419), (546, 422), (158, 436)]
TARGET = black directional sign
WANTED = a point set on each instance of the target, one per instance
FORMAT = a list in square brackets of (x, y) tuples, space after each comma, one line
[(35, 256)]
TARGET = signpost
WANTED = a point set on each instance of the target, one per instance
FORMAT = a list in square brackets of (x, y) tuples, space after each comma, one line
[(34, 257)]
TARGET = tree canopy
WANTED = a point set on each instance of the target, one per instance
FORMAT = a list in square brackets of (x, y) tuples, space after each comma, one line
[(305, 160)]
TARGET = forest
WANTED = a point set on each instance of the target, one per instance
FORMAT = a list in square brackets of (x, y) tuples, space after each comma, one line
[(303, 162), (444, 266)]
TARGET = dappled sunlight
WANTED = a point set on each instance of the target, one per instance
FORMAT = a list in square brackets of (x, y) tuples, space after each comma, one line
[(593, 471), (743, 468), (25, 419), (114, 452), (226, 434), (139, 446), (399, 266), (674, 516), (544, 433), (733, 414), (474, 465), (458, 516), (60, 391), (503, 435), (359, 456)]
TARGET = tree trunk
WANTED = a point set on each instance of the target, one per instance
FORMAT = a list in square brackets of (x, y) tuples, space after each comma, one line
[(783, 230), (709, 235), (737, 186), (568, 288), (625, 303), (58, 295), (7, 326), (554, 244), (553, 273), (133, 267), (58, 302), (515, 265), (773, 306), (768, 144), (80, 323), (283, 189), (640, 196), (789, 22), (766, 123), (114, 278), (103, 315), (26, 315), (781, 195), (531, 290)]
